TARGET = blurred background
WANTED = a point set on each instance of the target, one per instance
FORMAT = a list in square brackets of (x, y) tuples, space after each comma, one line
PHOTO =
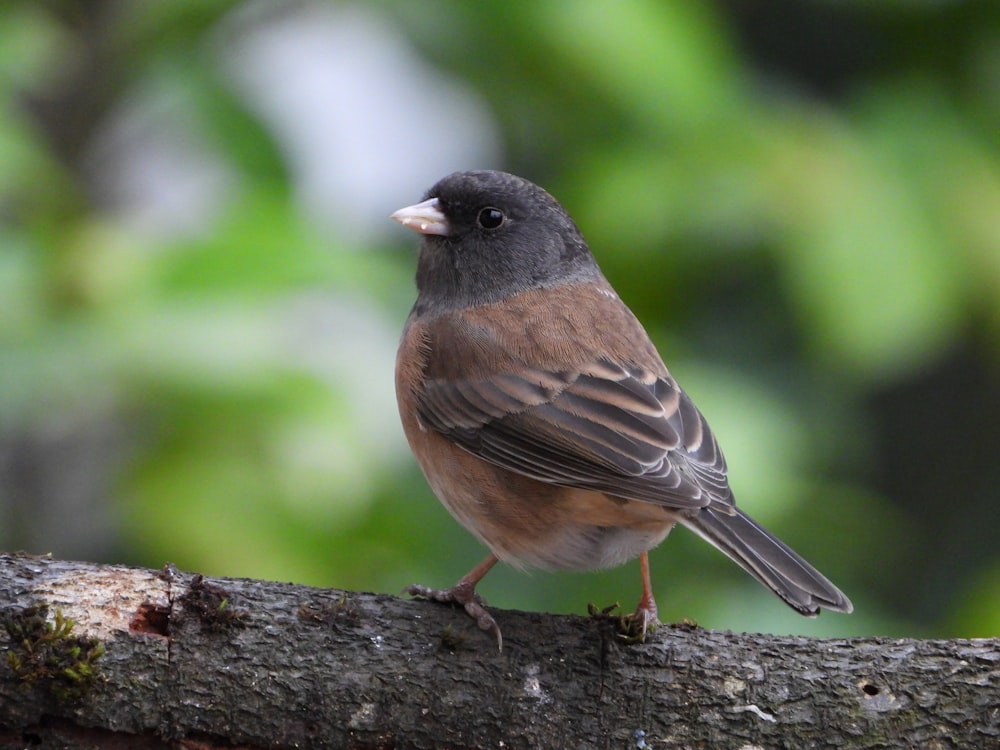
[(201, 293)]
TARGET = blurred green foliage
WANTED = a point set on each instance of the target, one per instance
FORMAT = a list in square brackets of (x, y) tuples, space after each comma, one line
[(801, 200)]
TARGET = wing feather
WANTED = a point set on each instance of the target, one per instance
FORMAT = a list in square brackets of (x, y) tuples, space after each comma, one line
[(619, 429)]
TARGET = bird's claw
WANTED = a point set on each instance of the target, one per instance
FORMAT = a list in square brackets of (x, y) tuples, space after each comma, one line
[(635, 627), (473, 603)]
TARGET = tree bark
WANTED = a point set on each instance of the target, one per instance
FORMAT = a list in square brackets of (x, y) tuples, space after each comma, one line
[(109, 656)]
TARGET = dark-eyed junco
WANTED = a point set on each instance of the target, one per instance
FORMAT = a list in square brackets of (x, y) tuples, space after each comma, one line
[(542, 414)]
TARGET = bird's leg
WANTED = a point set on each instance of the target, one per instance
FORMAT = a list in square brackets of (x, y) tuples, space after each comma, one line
[(464, 593), (644, 619)]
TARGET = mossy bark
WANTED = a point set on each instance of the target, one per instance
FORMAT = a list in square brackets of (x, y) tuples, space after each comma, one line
[(190, 661)]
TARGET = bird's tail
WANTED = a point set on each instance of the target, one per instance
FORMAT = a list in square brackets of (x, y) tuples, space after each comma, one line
[(769, 560)]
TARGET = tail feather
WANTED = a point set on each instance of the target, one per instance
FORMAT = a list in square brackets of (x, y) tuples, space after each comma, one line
[(769, 560)]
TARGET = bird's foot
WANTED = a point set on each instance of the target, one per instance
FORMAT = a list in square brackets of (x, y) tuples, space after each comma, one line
[(464, 594), (633, 628)]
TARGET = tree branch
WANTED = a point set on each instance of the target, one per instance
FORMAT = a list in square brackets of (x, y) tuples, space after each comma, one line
[(110, 656)]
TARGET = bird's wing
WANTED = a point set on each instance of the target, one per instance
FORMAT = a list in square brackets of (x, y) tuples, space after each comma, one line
[(620, 429)]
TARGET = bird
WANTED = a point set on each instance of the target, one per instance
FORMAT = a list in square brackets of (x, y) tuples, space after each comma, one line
[(543, 416)]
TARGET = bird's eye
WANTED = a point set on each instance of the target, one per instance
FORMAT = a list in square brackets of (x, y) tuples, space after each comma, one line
[(490, 218)]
